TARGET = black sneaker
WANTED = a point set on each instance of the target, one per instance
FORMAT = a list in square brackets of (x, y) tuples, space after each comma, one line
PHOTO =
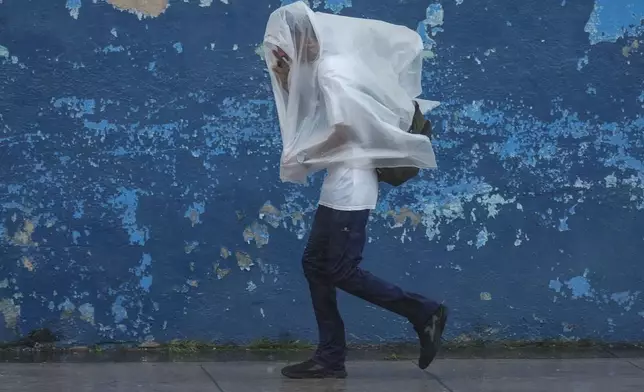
[(430, 337), (312, 369)]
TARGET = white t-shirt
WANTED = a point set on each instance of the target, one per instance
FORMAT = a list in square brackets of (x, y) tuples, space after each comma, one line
[(349, 189)]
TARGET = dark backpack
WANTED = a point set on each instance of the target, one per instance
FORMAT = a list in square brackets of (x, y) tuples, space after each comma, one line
[(397, 176)]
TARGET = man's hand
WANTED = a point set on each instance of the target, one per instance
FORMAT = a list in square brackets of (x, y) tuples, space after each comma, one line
[(282, 68)]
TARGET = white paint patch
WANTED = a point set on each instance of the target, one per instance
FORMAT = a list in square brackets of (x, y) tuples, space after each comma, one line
[(87, 313), (4, 52), (611, 324), (114, 32), (625, 299), (11, 312), (611, 181), (251, 286), (435, 15), (579, 183), (485, 296), (492, 202), (582, 62), (482, 238), (205, 3)]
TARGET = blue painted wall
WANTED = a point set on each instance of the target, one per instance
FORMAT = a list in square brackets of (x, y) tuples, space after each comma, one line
[(139, 190)]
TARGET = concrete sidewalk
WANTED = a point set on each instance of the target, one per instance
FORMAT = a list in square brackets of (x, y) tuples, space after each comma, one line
[(449, 375)]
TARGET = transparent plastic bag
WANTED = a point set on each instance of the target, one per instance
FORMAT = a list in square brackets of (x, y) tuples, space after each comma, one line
[(344, 90)]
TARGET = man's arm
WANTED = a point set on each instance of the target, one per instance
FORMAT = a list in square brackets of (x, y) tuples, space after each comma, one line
[(282, 68), (339, 137)]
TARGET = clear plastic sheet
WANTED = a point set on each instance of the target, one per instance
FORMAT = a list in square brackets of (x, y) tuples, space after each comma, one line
[(344, 90)]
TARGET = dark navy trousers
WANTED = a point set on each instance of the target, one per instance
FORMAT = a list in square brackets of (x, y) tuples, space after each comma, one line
[(331, 260)]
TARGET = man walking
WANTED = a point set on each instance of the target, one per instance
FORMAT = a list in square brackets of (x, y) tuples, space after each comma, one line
[(334, 249)]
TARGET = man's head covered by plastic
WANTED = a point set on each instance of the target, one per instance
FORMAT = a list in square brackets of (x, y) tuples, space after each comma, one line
[(291, 34)]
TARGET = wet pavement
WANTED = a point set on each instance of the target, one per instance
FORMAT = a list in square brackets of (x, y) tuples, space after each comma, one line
[(447, 375)]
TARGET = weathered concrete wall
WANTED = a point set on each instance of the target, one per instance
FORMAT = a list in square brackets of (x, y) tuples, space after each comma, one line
[(139, 190)]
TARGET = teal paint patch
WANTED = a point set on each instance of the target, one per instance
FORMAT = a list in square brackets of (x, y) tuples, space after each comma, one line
[(76, 107), (615, 19), (74, 8), (127, 202), (142, 272)]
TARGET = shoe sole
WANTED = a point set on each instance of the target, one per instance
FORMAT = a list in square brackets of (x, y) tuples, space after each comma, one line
[(439, 342), (336, 375)]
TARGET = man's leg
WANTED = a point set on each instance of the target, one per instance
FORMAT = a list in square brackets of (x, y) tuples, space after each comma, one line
[(346, 242), (329, 357)]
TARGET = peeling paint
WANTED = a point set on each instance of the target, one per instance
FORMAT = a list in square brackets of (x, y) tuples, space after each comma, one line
[(244, 261), (485, 296), (430, 26), (67, 309), (582, 62), (256, 232), (118, 310), (28, 264), (111, 49), (87, 313), (632, 48), (336, 6), (625, 299), (580, 286), (11, 312), (23, 237), (482, 238), (555, 285), (194, 213), (142, 271), (270, 214), (191, 247), (127, 201), (141, 8), (615, 19), (75, 106), (404, 215), (74, 8), (221, 272)]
